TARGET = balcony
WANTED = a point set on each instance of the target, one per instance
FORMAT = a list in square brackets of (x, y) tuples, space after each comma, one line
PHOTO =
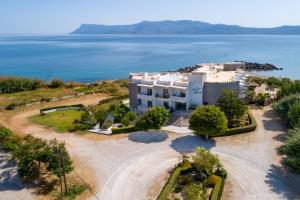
[(179, 98), (162, 96), (147, 96)]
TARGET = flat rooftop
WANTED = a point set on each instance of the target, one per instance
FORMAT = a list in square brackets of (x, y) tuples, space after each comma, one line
[(214, 72)]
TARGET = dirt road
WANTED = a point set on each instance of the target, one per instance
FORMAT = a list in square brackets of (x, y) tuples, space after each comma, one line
[(135, 168)]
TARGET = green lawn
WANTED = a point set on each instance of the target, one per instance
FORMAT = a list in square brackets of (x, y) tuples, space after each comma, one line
[(60, 121)]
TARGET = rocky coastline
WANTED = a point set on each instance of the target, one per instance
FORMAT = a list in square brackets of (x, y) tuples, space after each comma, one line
[(249, 66)]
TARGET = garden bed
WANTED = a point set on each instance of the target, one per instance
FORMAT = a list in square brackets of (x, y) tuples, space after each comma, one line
[(196, 179), (243, 129)]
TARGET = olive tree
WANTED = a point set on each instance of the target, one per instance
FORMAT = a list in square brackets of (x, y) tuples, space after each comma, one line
[(208, 120)]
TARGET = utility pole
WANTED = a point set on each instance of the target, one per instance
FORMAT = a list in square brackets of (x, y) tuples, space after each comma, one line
[(63, 168), (60, 181)]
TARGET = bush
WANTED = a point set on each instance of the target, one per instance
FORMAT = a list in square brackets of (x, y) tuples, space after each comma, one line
[(75, 190), (128, 118), (56, 83), (218, 189), (208, 120), (294, 164), (127, 129), (154, 118), (195, 192), (204, 161), (185, 180), (119, 112), (294, 114), (107, 124), (17, 84), (282, 107), (221, 172)]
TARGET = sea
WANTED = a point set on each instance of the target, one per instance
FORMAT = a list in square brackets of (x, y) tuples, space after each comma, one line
[(88, 58)]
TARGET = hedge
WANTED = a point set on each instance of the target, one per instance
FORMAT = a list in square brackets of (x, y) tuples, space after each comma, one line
[(171, 182), (218, 188), (127, 129), (238, 130)]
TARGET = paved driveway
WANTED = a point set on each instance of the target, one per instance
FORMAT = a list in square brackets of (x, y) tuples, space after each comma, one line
[(135, 168)]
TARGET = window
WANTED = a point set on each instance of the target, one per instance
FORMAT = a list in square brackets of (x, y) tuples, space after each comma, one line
[(166, 105), (149, 91), (139, 102), (165, 93), (182, 93), (139, 89), (149, 104)]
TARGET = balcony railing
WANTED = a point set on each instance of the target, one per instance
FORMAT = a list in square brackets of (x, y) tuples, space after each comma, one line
[(163, 96)]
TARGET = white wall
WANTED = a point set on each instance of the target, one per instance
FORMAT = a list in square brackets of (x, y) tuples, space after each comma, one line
[(195, 89)]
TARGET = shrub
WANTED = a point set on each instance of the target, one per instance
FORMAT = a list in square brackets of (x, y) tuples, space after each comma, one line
[(119, 112), (154, 118), (17, 84), (208, 121), (221, 172), (56, 83), (128, 118), (75, 190), (294, 114), (205, 161), (107, 124), (195, 192), (185, 180), (128, 129), (283, 106), (294, 164)]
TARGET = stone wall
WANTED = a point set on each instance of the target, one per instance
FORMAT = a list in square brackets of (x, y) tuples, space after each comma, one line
[(212, 91)]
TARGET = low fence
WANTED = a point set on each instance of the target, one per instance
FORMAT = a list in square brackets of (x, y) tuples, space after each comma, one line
[(57, 108)]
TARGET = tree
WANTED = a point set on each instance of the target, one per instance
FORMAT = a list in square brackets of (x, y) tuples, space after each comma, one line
[(233, 106), (205, 161), (128, 118), (119, 112), (60, 162), (99, 113), (208, 120), (154, 118)]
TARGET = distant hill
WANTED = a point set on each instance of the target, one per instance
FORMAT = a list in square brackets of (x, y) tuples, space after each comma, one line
[(182, 27)]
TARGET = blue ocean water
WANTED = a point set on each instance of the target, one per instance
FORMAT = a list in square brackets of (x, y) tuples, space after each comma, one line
[(99, 57)]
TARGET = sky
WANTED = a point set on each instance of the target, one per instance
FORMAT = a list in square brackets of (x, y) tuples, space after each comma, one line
[(64, 16)]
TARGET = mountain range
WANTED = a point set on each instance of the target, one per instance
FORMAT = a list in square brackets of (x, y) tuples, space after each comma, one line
[(183, 27)]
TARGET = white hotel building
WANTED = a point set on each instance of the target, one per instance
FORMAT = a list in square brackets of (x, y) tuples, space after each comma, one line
[(184, 91)]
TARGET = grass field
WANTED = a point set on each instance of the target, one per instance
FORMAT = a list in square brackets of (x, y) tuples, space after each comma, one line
[(113, 88), (33, 96), (60, 121)]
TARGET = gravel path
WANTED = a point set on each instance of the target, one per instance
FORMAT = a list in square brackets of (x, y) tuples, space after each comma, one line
[(135, 169), (11, 187)]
